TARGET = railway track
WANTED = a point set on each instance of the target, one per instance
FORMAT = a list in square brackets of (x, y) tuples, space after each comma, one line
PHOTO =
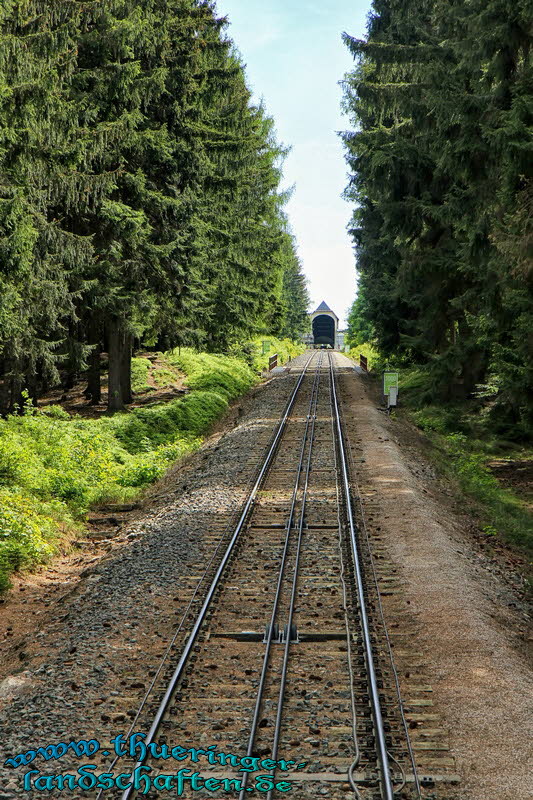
[(282, 655)]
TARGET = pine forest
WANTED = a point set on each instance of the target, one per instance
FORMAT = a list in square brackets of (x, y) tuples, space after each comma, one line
[(140, 199), (441, 157)]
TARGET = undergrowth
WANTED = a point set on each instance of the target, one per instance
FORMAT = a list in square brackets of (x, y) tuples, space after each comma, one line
[(148, 377), (54, 467), (466, 442), (369, 351), (285, 349)]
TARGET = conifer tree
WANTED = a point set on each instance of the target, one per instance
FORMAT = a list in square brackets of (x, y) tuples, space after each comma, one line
[(140, 190), (40, 257), (293, 304), (440, 158)]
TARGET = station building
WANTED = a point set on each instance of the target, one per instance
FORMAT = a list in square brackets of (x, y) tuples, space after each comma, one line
[(325, 326)]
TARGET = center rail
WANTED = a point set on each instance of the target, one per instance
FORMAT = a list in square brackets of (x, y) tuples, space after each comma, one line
[(307, 439)]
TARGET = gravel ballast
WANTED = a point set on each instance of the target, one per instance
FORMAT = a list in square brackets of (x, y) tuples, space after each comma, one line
[(62, 674)]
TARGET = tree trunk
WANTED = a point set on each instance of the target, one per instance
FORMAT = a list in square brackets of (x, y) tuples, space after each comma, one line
[(125, 372), (116, 347), (94, 389), (32, 387), (71, 377)]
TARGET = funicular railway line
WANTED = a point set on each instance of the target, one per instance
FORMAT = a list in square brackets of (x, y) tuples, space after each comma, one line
[(283, 649)]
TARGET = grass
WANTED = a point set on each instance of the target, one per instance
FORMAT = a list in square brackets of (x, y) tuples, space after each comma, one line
[(147, 376), (285, 349), (365, 349), (140, 369), (54, 467)]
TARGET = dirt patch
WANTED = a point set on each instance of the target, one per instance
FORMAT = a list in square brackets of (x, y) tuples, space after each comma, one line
[(472, 625)]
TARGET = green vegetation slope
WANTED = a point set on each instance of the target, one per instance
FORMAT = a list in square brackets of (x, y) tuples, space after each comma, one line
[(53, 467)]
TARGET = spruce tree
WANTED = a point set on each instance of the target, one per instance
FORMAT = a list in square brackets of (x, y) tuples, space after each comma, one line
[(40, 258), (441, 157)]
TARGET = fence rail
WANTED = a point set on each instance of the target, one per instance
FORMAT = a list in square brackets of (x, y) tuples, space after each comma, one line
[(363, 362), (273, 362)]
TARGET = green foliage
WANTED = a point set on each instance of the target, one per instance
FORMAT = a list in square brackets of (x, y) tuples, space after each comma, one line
[(140, 195), (504, 512), (416, 386), (222, 374), (140, 369), (164, 376), (293, 305), (374, 358), (285, 348), (28, 528), (360, 329), (442, 184), (53, 467), (463, 456)]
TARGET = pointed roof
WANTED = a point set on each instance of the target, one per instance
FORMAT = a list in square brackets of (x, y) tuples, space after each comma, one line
[(322, 308)]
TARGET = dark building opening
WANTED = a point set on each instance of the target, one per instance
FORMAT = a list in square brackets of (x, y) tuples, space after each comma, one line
[(324, 330)]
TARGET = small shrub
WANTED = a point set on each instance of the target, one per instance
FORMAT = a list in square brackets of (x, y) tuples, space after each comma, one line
[(463, 458), (438, 419), (163, 376), (368, 350), (285, 349), (55, 412)]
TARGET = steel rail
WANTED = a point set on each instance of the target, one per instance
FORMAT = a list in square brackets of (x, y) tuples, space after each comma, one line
[(288, 527), (285, 665), (387, 637), (214, 585), (387, 790), (345, 606)]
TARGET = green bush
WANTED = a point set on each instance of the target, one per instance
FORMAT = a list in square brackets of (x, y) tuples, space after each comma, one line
[(439, 419), (366, 349), (146, 428), (27, 531), (225, 375), (464, 458)]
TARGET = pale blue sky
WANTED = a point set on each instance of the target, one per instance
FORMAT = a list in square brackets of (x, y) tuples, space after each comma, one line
[(294, 60)]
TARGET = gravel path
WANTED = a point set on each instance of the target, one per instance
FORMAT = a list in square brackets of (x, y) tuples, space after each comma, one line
[(470, 625)]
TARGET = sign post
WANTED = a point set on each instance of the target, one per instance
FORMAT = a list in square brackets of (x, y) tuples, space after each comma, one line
[(266, 347), (390, 388)]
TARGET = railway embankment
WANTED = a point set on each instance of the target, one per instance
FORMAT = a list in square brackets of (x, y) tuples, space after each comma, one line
[(81, 642), (67, 631)]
